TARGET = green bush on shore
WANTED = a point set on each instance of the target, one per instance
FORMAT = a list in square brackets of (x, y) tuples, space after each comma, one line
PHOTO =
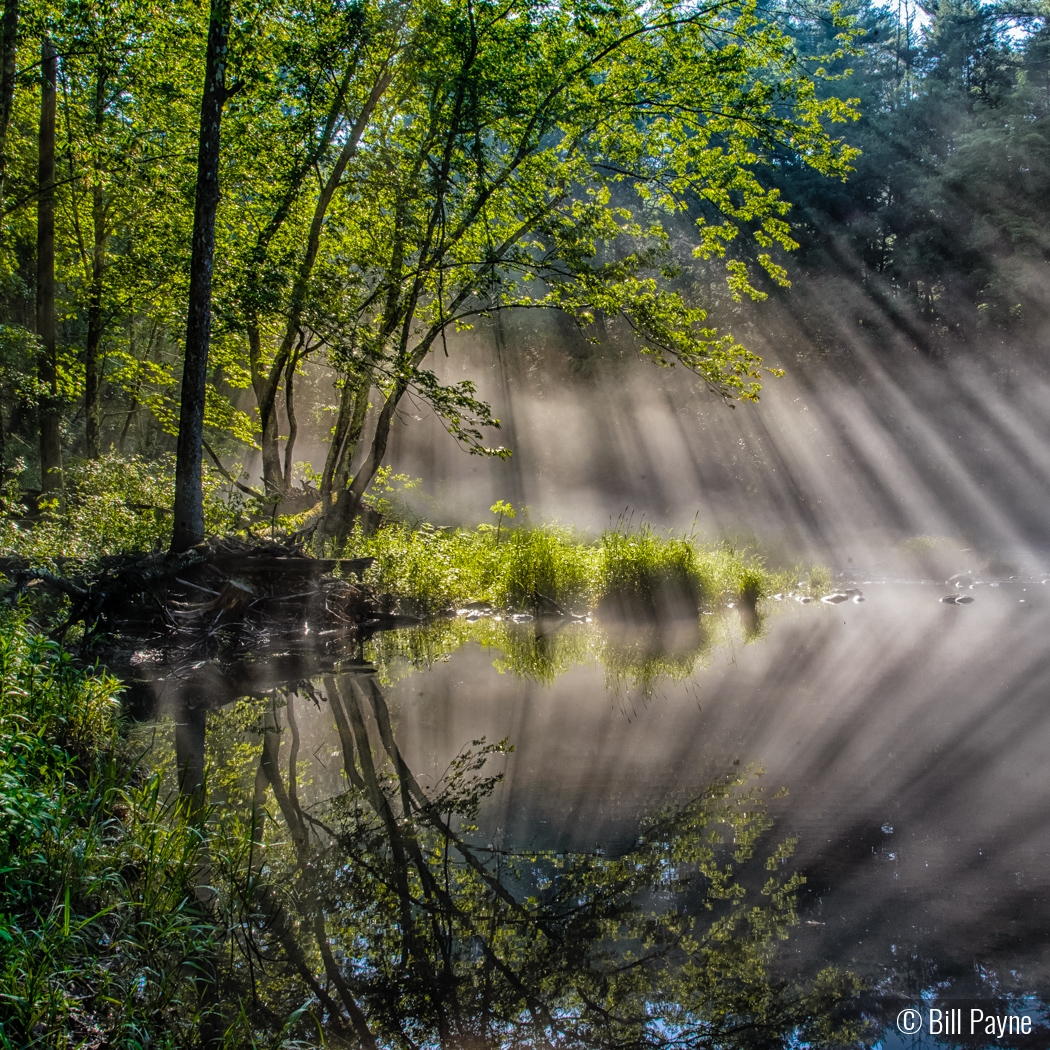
[(121, 505), (114, 505)]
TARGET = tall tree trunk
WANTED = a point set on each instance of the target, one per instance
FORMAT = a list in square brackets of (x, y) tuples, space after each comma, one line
[(353, 408), (47, 370), (273, 478), (8, 53), (189, 497), (347, 503), (92, 369)]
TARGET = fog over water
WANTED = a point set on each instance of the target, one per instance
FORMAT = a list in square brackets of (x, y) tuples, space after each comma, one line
[(861, 446), (911, 735), (908, 734), (908, 737)]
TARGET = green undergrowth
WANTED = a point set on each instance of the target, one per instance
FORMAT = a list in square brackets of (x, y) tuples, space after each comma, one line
[(557, 569), (113, 505), (101, 932)]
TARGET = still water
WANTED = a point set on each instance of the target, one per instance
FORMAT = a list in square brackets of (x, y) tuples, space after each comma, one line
[(744, 834)]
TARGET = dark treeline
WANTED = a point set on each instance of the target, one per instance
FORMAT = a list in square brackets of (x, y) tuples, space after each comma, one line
[(944, 220)]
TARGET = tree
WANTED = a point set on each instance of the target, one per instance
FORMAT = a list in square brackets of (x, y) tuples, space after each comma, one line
[(8, 57), (312, 126), (189, 498), (536, 160), (50, 413)]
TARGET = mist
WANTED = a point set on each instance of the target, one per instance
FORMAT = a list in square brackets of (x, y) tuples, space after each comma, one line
[(848, 457)]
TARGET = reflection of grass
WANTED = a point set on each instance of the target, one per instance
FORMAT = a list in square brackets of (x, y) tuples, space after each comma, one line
[(556, 569), (634, 655)]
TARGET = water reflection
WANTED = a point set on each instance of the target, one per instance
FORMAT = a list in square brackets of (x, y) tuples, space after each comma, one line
[(912, 735), (382, 901), (636, 654)]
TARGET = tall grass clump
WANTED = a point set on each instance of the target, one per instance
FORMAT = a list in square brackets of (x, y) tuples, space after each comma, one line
[(427, 568), (546, 569), (101, 929), (552, 569), (640, 572)]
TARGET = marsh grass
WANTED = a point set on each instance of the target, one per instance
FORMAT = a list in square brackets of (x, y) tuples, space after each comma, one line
[(647, 591), (553, 569)]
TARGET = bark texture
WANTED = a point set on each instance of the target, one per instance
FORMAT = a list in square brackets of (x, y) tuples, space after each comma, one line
[(189, 498), (8, 52), (95, 319)]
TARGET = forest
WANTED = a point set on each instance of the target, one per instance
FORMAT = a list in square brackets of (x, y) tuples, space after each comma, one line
[(243, 243)]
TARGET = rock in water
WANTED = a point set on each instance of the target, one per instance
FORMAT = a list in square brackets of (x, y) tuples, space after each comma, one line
[(835, 599)]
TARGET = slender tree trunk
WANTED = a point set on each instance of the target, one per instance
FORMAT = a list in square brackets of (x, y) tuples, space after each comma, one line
[(293, 425), (267, 384), (353, 408), (348, 500), (357, 424), (189, 497), (93, 342), (342, 423), (127, 426), (92, 369), (47, 370), (8, 53), (265, 395)]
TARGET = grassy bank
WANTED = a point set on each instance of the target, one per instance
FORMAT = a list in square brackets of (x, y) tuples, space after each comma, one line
[(116, 506), (101, 932)]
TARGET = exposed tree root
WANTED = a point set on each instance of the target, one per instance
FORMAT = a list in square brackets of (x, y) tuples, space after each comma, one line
[(227, 614)]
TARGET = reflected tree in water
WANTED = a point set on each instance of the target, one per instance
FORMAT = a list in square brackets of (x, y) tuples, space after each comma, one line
[(381, 916)]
